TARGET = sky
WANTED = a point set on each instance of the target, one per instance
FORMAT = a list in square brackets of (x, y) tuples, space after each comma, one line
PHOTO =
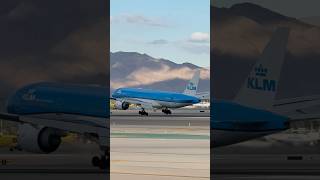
[(292, 8), (171, 29)]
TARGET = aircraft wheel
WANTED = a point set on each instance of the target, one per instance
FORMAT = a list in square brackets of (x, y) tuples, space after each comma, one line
[(166, 111), (103, 163), (95, 161), (143, 113)]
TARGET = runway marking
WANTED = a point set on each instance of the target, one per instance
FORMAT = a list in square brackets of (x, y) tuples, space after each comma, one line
[(264, 171), (159, 136), (5, 162), (181, 154), (178, 162), (163, 115), (164, 175), (119, 161), (53, 171), (178, 128)]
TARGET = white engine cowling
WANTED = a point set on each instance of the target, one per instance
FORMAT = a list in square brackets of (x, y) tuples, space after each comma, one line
[(38, 140), (122, 105)]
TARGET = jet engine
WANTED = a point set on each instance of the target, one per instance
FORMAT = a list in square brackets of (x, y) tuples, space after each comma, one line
[(122, 105), (38, 140)]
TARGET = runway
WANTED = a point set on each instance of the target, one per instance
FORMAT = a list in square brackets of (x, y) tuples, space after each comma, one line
[(182, 118), (70, 161), (159, 159), (166, 147), (286, 164), (175, 113), (160, 146), (155, 147), (266, 166), (265, 160)]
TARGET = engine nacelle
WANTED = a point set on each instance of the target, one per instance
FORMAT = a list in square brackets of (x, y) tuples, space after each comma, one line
[(122, 105), (38, 140)]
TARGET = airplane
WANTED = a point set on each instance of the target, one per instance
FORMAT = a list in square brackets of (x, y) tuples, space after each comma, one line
[(254, 112), (46, 111), (155, 99)]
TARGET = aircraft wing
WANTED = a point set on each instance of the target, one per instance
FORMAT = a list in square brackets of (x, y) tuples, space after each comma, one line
[(304, 117), (299, 105), (67, 122), (300, 108)]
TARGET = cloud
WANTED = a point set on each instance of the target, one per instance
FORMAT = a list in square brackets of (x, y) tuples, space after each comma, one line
[(146, 76), (140, 20), (159, 42), (200, 37), (197, 43)]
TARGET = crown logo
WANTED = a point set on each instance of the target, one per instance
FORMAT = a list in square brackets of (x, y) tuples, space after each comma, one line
[(260, 71)]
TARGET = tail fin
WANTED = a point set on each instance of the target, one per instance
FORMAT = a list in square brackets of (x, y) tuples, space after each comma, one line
[(192, 86), (260, 87)]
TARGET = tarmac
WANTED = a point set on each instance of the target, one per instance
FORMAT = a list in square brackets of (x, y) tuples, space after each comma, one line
[(166, 147), (160, 146), (154, 147), (259, 159)]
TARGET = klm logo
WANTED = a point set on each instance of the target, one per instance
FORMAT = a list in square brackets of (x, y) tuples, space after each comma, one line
[(30, 95), (260, 82), (191, 86)]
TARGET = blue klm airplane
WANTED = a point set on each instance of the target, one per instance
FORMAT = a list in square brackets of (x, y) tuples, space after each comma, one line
[(155, 99)]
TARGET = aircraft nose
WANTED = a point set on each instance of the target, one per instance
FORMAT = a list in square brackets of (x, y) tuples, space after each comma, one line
[(10, 105)]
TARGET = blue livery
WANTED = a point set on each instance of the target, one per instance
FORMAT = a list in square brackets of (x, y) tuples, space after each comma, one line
[(42, 98), (155, 95)]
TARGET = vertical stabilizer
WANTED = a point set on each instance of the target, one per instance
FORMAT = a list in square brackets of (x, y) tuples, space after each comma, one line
[(260, 87), (192, 86)]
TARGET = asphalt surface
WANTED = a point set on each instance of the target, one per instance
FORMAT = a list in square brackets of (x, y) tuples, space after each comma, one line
[(160, 147), (158, 113), (166, 147), (182, 118), (265, 166), (153, 147), (258, 159), (160, 159), (70, 161)]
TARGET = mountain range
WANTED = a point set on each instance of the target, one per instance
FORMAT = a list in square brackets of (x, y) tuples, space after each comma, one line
[(241, 32), (132, 69)]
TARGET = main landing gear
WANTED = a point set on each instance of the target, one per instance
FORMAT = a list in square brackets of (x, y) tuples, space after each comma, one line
[(102, 162), (143, 112), (166, 111)]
